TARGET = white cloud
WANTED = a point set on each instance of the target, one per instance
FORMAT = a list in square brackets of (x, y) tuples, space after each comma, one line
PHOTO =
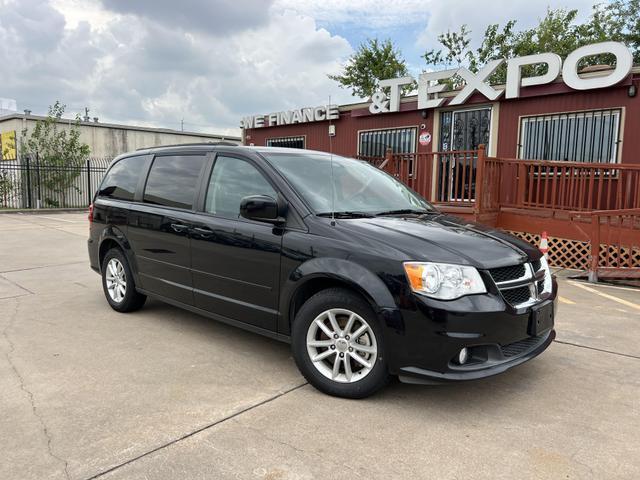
[(363, 13), (133, 68), (210, 62)]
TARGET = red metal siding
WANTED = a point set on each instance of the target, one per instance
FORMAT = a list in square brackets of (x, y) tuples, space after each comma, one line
[(345, 141), (537, 100), (615, 97)]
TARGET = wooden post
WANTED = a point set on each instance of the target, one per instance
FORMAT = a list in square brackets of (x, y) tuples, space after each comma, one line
[(388, 158), (480, 185), (522, 184), (595, 249)]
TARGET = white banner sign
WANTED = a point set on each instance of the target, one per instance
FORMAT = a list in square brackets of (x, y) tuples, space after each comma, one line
[(301, 115)]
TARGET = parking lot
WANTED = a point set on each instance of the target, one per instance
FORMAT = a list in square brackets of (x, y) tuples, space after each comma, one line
[(88, 393)]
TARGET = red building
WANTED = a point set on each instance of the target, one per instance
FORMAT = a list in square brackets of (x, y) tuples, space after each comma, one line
[(548, 154)]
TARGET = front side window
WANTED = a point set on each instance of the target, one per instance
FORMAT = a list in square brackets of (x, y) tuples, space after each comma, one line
[(333, 183), (173, 180), (233, 179), (574, 137), (374, 143), (121, 180)]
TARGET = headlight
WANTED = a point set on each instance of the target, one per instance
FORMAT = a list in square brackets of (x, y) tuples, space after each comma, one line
[(548, 285), (443, 281)]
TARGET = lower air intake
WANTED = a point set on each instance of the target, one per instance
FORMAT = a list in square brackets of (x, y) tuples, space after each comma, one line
[(520, 347)]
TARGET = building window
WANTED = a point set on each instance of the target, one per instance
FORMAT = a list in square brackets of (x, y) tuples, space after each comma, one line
[(288, 142), (374, 143), (463, 130), (577, 137)]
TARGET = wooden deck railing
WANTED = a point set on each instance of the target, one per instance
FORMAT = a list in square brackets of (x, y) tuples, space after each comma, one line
[(569, 186), (614, 243), (482, 183), (606, 195), (442, 177)]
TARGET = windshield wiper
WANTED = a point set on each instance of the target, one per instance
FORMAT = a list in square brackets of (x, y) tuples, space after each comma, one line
[(404, 211), (346, 214)]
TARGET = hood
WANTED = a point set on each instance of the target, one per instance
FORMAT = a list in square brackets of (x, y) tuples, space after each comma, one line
[(445, 239)]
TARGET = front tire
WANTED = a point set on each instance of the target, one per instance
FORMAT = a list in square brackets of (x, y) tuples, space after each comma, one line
[(118, 284), (338, 346)]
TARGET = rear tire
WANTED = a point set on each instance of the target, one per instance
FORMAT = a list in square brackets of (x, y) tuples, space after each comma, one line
[(338, 346), (118, 284)]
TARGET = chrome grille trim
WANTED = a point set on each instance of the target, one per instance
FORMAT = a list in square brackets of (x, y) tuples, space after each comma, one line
[(532, 279)]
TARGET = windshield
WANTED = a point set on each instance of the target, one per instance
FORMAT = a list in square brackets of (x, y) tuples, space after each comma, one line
[(359, 186)]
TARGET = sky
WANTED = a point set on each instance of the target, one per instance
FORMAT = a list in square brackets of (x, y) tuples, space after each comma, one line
[(208, 63)]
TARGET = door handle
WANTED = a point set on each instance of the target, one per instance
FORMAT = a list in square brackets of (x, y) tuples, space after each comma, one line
[(179, 227), (204, 232)]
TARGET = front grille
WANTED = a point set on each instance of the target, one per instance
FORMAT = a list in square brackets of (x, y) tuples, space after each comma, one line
[(516, 296), (540, 287), (536, 264), (504, 274), (520, 347)]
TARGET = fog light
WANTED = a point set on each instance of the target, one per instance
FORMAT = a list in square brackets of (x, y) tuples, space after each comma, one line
[(463, 356)]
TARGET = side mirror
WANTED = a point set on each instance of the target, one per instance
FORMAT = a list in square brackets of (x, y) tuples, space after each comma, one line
[(261, 208)]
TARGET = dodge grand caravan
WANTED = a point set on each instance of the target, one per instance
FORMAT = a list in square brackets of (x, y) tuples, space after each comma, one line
[(362, 276)]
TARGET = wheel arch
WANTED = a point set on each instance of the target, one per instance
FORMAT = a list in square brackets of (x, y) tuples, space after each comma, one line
[(316, 275), (113, 237)]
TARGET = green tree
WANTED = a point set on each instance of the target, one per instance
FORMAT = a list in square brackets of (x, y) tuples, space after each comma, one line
[(59, 151), (6, 187), (373, 61), (557, 32)]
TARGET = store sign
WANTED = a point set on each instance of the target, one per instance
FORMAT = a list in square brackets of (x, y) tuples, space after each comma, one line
[(429, 88), (301, 115)]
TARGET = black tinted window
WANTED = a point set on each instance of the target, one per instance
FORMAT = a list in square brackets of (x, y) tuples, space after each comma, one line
[(173, 180), (232, 180), (121, 180)]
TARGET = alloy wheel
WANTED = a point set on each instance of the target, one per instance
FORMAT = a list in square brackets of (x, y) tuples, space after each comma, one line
[(342, 345), (116, 280)]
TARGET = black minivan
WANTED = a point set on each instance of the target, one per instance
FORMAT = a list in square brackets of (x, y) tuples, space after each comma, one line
[(361, 275)]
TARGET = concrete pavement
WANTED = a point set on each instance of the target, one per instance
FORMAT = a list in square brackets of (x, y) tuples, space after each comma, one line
[(86, 392)]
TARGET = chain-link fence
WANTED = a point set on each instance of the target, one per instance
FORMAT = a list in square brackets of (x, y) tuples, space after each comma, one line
[(28, 183)]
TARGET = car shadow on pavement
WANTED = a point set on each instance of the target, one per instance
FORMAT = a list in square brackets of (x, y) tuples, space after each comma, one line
[(491, 393)]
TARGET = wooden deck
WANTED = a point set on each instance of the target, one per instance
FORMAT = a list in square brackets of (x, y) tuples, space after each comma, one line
[(572, 201)]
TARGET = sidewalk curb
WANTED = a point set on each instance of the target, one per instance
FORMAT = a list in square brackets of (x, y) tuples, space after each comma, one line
[(35, 211)]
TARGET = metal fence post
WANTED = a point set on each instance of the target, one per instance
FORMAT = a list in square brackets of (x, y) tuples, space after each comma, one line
[(88, 182), (27, 157), (39, 199)]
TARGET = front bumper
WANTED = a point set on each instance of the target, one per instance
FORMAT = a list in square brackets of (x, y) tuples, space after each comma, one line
[(422, 344), (491, 367)]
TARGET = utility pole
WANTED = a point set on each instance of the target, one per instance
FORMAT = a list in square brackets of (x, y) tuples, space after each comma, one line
[(182, 125)]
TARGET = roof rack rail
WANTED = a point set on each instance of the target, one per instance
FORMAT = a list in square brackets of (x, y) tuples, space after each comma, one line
[(223, 143)]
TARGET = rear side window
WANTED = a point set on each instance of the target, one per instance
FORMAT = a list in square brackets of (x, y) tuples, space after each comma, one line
[(232, 180), (121, 180), (173, 180)]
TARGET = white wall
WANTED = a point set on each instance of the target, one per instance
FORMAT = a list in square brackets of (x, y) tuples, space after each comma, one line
[(106, 140)]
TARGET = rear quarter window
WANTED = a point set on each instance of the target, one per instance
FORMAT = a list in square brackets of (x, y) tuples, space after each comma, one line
[(121, 180), (173, 180)]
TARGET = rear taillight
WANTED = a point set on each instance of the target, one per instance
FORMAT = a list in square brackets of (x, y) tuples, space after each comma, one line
[(90, 213)]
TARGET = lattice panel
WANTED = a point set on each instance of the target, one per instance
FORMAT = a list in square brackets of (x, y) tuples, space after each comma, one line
[(575, 254), (623, 260), (563, 252)]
